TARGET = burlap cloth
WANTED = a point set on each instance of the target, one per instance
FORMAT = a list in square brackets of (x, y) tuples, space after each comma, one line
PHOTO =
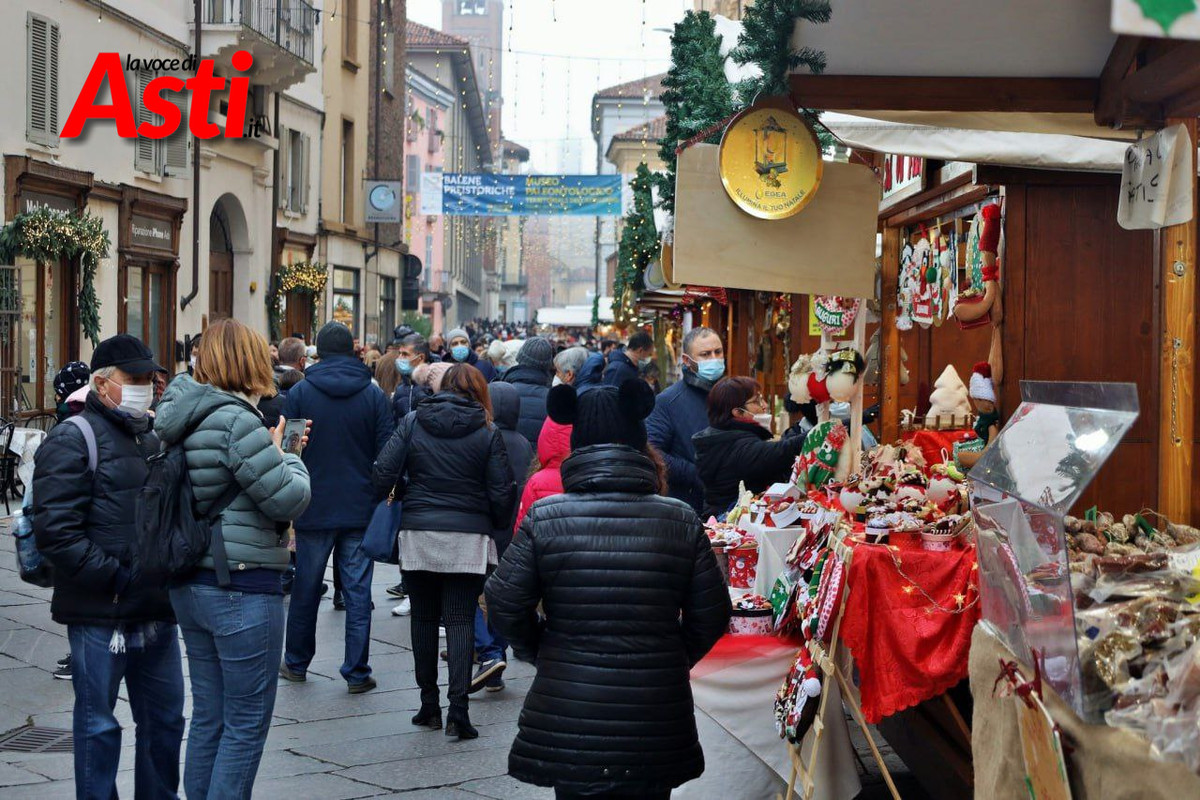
[(1105, 764)]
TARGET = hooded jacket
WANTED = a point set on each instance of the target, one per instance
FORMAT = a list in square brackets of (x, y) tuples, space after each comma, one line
[(590, 374), (743, 451), (351, 422), (681, 412), (84, 522), (408, 394), (533, 385), (620, 368), (455, 466), (506, 411), (633, 599), (228, 443), (554, 445)]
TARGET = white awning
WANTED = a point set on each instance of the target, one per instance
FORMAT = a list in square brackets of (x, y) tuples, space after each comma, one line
[(574, 316)]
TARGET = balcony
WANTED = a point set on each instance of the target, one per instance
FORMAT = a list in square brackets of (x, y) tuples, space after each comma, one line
[(280, 34)]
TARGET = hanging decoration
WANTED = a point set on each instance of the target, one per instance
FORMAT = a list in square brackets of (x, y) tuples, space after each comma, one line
[(46, 236), (304, 277), (836, 314), (639, 245), (974, 308), (770, 160), (907, 289)]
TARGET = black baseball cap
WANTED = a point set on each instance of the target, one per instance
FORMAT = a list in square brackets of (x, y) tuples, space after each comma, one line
[(127, 353)]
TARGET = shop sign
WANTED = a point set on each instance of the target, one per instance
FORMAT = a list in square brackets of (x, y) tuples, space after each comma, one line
[(770, 161), (30, 201), (383, 201), (150, 232), (902, 176), (1171, 19), (1157, 181)]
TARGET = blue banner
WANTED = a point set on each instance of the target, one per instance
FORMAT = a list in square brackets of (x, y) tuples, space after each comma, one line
[(487, 195)]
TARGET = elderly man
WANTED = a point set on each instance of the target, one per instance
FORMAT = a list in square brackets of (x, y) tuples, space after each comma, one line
[(86, 479), (681, 411), (569, 363)]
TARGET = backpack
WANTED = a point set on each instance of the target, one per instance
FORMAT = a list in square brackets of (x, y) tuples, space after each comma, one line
[(170, 539)]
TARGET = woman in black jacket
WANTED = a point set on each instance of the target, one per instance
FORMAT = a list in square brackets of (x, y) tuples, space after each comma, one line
[(737, 447), (452, 463), (632, 599)]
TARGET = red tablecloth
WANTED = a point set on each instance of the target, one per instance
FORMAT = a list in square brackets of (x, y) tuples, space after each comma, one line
[(906, 650)]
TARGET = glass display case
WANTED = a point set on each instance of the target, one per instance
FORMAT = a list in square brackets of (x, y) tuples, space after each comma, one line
[(1026, 482)]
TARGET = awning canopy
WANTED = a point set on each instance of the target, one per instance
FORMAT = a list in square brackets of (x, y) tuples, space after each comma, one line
[(574, 316)]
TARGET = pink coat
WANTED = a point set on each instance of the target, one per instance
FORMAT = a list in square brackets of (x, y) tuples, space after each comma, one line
[(554, 445)]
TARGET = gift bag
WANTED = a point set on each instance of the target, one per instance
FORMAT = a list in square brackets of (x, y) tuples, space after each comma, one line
[(743, 567)]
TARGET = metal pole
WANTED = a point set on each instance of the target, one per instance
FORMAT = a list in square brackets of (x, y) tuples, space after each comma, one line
[(187, 298)]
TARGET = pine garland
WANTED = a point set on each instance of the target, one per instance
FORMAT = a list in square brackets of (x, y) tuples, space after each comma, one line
[(696, 93), (638, 247), (307, 277), (46, 236)]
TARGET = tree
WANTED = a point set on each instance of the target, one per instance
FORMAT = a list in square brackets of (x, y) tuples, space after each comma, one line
[(638, 245), (696, 93)]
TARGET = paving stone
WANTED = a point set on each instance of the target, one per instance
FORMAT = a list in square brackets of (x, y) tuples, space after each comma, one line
[(447, 770), (38, 648), (8, 598), (324, 786), (407, 746), (506, 787), (431, 794), (331, 700), (13, 775)]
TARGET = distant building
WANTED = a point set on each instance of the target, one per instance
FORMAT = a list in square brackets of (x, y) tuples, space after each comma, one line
[(513, 303), (429, 105), (733, 9), (637, 146)]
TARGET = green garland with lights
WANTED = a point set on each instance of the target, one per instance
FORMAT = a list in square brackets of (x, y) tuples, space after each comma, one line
[(46, 236), (638, 247), (306, 277)]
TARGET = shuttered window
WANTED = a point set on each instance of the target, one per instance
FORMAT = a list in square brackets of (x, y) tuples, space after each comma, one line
[(177, 146), (169, 155), (42, 94), (146, 151), (282, 180)]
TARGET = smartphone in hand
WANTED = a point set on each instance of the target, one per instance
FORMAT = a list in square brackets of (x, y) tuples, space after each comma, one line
[(293, 436)]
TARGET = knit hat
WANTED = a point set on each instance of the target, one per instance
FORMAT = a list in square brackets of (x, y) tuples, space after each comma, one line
[(604, 415), (537, 353), (982, 387), (334, 339), (70, 378), (431, 375), (455, 333)]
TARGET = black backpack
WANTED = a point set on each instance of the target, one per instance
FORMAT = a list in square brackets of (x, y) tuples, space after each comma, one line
[(170, 539)]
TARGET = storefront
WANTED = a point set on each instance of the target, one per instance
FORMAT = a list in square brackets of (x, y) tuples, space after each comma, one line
[(297, 306), (148, 252), (44, 333)]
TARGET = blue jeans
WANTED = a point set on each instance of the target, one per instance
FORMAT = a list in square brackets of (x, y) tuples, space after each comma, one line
[(154, 677), (313, 549), (233, 644), (489, 644)]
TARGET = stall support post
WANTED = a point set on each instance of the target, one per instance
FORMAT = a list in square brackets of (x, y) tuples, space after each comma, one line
[(889, 338), (1177, 368)]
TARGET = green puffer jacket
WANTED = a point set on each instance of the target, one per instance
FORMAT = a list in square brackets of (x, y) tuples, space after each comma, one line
[(229, 443)]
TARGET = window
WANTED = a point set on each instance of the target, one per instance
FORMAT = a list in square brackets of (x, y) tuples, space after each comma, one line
[(293, 170), (148, 306), (347, 167), (350, 31), (472, 8), (428, 256), (42, 94), (387, 307), (412, 173), (389, 61), (167, 156), (345, 297)]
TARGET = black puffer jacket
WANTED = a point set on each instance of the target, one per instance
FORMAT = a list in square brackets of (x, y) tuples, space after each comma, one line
[(457, 472), (741, 452), (84, 522), (633, 599), (533, 385)]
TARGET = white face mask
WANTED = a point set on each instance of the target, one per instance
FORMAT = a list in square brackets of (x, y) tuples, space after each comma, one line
[(764, 420), (557, 381), (135, 400)]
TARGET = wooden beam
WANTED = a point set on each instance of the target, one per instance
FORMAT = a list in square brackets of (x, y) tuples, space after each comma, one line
[(958, 198), (899, 93), (1176, 72), (1110, 104), (1177, 361), (997, 175), (889, 339)]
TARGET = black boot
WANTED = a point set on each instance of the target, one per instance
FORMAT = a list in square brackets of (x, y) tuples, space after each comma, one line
[(458, 724), (430, 716)]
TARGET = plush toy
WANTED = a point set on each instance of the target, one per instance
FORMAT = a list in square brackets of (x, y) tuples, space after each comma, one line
[(975, 305), (822, 377), (825, 456)]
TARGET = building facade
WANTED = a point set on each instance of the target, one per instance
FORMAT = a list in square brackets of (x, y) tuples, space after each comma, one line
[(513, 302), (428, 107)]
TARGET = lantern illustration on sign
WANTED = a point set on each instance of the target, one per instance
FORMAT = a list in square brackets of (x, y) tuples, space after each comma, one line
[(770, 151)]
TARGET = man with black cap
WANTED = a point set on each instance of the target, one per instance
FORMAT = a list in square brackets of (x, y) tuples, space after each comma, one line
[(351, 422), (532, 376), (87, 475)]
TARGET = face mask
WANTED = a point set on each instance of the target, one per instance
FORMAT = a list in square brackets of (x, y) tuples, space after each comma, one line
[(557, 381), (645, 362), (460, 351), (763, 420), (404, 365), (135, 400), (711, 370)]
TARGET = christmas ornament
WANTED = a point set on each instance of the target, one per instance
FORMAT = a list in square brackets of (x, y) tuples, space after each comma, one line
[(974, 308), (836, 314)]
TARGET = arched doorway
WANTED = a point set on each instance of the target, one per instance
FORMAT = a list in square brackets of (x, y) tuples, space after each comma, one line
[(227, 237)]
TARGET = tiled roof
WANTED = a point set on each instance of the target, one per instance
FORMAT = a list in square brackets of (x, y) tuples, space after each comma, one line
[(418, 35), (635, 88), (651, 131)]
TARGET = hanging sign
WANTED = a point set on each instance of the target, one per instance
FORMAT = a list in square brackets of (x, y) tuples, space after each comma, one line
[(1156, 181), (488, 195), (1171, 19), (835, 314), (770, 160)]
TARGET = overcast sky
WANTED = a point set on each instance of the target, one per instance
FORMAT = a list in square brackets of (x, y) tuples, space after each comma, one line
[(562, 51)]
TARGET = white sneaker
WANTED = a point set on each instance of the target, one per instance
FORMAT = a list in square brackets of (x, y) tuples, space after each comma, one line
[(404, 609)]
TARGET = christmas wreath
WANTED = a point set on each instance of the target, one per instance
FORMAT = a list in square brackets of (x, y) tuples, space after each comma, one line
[(306, 277), (47, 236)]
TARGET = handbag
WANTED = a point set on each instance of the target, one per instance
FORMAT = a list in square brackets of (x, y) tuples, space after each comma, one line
[(380, 541)]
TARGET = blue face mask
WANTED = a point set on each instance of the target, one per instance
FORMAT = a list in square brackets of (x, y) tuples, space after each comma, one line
[(711, 370), (404, 366), (460, 352)]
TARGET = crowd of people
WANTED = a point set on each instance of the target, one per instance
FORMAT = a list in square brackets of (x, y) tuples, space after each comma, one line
[(546, 492)]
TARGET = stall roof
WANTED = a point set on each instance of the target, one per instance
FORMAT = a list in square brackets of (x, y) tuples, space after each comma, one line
[(574, 316), (1017, 65)]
